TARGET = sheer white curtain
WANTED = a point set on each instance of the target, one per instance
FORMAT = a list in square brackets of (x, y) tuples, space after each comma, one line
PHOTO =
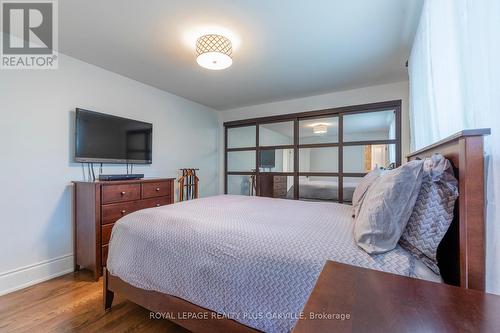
[(454, 71), (392, 134)]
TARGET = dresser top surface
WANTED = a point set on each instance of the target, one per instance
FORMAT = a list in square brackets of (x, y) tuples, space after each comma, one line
[(121, 182)]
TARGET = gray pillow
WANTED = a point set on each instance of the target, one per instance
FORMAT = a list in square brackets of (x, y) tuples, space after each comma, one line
[(433, 211), (386, 208), (361, 189)]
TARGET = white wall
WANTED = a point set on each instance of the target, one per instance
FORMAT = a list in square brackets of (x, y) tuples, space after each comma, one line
[(36, 149), (379, 93)]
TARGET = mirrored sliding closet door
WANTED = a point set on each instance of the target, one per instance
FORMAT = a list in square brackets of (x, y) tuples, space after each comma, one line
[(316, 156)]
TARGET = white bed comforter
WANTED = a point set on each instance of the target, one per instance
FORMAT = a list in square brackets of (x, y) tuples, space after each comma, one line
[(325, 190), (254, 259)]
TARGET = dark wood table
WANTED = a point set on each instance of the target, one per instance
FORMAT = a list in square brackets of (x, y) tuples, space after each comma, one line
[(354, 299)]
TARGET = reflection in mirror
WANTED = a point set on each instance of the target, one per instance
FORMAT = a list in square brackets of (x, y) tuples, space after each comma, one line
[(240, 185), (362, 159), (241, 137), (276, 134), (241, 160), (349, 185), (276, 160), (319, 130), (312, 188), (276, 186), (379, 125), (319, 159)]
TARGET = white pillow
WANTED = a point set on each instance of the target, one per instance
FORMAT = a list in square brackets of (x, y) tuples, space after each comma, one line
[(386, 208), (360, 191)]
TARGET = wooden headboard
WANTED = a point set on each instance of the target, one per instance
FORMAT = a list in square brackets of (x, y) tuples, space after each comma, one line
[(461, 253)]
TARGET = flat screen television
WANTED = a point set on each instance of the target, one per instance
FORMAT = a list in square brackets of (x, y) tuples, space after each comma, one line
[(102, 138), (267, 158)]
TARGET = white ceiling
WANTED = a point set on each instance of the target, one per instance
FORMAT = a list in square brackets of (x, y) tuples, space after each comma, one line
[(287, 49)]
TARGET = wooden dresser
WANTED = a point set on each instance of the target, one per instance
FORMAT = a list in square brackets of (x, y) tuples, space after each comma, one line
[(98, 205)]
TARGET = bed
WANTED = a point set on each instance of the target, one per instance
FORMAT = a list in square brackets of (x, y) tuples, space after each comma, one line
[(316, 188), (262, 256), (247, 264)]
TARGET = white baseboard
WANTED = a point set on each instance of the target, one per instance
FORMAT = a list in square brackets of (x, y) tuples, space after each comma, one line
[(32, 274)]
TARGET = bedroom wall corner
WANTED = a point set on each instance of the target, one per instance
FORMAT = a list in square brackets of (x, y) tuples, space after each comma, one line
[(36, 132)]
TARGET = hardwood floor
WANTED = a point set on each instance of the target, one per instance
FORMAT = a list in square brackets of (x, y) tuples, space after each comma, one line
[(73, 303)]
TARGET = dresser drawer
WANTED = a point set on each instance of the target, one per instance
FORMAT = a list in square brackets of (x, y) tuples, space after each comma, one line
[(112, 213), (120, 193), (157, 189), (104, 255), (155, 202), (106, 233)]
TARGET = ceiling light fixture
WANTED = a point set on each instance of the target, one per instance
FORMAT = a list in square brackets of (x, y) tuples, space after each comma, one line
[(214, 52), (320, 129)]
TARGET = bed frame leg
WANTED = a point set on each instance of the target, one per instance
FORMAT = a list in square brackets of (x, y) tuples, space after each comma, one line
[(107, 294)]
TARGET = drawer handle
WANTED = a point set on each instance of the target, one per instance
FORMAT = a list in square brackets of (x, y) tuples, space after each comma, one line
[(157, 205), (157, 189), (123, 193), (123, 211)]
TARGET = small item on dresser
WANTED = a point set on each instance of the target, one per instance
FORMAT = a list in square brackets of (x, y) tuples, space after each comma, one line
[(386, 208), (128, 176), (433, 211), (188, 185), (362, 188)]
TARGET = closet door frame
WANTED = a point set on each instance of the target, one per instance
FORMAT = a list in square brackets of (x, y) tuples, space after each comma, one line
[(339, 112)]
